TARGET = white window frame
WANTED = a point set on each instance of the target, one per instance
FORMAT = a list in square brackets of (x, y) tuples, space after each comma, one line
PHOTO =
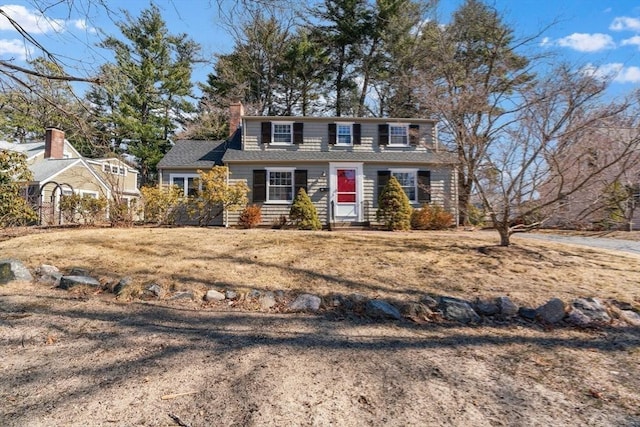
[(91, 193), (404, 126), (414, 172), (273, 133), (350, 126), (111, 167), (268, 184), (186, 177)]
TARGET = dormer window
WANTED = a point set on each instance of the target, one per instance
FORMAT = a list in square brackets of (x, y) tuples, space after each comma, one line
[(398, 134), (344, 136), (282, 133)]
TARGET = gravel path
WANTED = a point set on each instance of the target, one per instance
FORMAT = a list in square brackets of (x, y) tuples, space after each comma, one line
[(593, 242)]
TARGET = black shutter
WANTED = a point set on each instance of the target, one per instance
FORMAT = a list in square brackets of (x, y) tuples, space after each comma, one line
[(357, 139), (332, 134), (414, 134), (300, 181), (266, 133), (383, 134), (259, 185), (298, 133), (424, 186), (383, 178)]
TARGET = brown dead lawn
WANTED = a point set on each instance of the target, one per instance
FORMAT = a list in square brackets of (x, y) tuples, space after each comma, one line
[(376, 264), (84, 360)]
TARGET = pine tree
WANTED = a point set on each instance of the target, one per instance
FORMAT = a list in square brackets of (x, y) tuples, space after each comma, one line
[(394, 209), (303, 213)]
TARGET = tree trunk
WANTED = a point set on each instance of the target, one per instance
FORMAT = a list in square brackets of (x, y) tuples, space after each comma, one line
[(505, 235)]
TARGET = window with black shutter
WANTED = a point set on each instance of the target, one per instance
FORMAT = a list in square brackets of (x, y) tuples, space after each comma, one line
[(300, 180), (424, 186), (266, 133), (332, 134), (357, 132), (414, 134), (383, 134), (298, 133), (383, 179), (259, 185)]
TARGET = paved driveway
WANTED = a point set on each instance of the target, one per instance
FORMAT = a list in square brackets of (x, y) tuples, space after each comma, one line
[(593, 242)]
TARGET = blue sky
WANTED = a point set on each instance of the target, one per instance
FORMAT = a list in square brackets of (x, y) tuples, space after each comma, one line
[(603, 36)]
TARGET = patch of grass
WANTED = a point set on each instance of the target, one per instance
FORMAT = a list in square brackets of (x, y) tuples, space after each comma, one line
[(376, 264)]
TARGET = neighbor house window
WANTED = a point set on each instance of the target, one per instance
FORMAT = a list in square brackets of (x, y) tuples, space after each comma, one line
[(282, 133), (344, 134), (188, 184), (280, 185), (398, 134), (114, 169), (408, 182)]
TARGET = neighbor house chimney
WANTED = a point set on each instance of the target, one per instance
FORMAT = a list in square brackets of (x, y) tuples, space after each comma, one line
[(54, 144), (236, 111)]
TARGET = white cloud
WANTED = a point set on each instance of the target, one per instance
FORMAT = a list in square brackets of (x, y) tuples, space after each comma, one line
[(14, 48), (30, 20), (634, 41), (546, 41), (81, 24), (622, 23), (583, 42), (614, 71)]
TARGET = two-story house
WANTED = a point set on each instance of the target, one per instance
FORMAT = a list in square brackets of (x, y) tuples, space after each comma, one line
[(342, 163), (59, 169)]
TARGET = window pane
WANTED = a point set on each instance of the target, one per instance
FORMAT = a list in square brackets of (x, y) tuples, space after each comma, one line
[(282, 133), (398, 135), (179, 182), (280, 186), (344, 134), (407, 181), (193, 186)]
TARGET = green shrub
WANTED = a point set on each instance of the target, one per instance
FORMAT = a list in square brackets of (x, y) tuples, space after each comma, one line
[(160, 205), (476, 216), (303, 213), (394, 209), (431, 217), (250, 217)]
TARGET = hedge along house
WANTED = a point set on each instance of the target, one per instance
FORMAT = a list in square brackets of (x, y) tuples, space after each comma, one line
[(58, 169), (342, 163)]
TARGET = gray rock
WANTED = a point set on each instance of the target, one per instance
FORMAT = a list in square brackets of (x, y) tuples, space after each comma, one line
[(551, 312), (232, 295), (458, 310), (380, 309), (631, 317), (527, 313), (281, 296), (429, 302), (48, 274), (267, 300), (486, 307), (507, 307), (213, 295), (12, 269), (68, 282), (305, 302), (578, 318), (122, 284), (180, 295), (590, 308), (253, 294), (155, 290)]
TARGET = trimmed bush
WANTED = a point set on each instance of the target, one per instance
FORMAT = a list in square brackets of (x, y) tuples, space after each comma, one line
[(250, 217), (431, 217), (394, 209), (303, 213)]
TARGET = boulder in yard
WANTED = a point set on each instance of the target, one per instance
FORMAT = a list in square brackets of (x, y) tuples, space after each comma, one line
[(13, 270), (458, 310), (305, 302), (507, 307), (380, 309), (213, 295), (267, 300), (551, 312), (69, 282), (587, 311), (486, 307)]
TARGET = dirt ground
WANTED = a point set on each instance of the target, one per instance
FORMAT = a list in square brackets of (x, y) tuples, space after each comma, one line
[(90, 360)]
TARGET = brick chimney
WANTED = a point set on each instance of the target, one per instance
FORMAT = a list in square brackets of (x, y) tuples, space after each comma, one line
[(236, 111), (54, 144)]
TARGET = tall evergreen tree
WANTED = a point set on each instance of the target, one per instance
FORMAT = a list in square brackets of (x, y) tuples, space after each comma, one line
[(156, 68)]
